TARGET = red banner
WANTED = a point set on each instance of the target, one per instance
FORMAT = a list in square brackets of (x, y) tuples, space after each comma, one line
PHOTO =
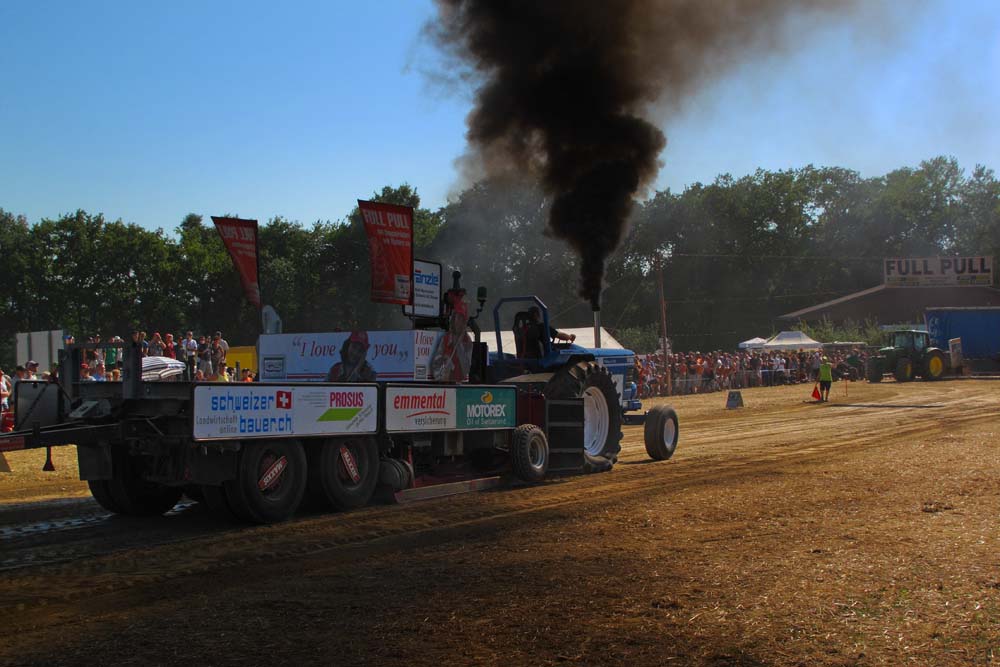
[(390, 247), (240, 237)]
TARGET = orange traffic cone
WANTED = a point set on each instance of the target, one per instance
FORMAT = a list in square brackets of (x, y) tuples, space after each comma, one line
[(816, 395)]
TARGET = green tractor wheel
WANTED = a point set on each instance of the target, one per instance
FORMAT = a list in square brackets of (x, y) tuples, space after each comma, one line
[(934, 365), (904, 370)]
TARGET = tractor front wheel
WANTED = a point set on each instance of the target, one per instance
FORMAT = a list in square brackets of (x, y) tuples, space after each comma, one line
[(661, 432), (529, 453)]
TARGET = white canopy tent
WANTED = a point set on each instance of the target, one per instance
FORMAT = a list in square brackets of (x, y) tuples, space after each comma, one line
[(792, 340), (752, 344)]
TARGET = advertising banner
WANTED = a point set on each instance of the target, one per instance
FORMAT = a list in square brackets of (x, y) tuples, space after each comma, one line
[(938, 271), (419, 409), (390, 246), (346, 356), (409, 409), (426, 289), (486, 407), (240, 239), (238, 411)]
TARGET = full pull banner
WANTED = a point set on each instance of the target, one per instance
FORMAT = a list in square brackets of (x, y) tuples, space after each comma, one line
[(938, 271), (240, 237), (390, 246)]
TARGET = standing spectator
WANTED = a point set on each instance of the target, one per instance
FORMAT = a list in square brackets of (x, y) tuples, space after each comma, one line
[(169, 349), (85, 375), (99, 375), (218, 358), (190, 346), (825, 375), (32, 370), (222, 343), (5, 390), (204, 357), (155, 348), (112, 354)]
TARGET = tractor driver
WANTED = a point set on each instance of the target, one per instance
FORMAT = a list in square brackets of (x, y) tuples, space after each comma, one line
[(535, 334)]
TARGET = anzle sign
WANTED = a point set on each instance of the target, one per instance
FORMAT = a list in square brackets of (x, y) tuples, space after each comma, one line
[(426, 290), (938, 271)]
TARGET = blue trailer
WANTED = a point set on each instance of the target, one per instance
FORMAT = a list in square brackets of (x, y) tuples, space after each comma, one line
[(979, 329)]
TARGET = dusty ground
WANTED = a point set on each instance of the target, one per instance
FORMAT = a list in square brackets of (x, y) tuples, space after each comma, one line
[(860, 532)]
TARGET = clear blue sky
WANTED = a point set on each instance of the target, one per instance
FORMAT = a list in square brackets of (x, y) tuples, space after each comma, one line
[(149, 111)]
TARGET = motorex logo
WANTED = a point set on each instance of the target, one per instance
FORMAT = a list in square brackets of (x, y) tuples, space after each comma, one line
[(492, 408)]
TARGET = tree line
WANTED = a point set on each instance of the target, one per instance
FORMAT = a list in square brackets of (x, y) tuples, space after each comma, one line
[(733, 254)]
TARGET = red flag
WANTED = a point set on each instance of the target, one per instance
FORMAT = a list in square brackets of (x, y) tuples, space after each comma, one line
[(390, 245), (240, 237), (816, 395)]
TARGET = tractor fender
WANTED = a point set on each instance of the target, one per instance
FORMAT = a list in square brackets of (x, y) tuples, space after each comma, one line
[(576, 358)]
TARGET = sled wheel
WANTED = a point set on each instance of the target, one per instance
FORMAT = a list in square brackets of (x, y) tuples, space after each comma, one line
[(529, 453), (270, 481), (129, 493), (934, 365), (193, 491), (904, 370), (101, 492), (661, 432), (602, 413), (343, 472), (217, 503)]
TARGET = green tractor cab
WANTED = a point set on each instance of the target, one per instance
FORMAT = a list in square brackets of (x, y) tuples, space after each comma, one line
[(907, 355)]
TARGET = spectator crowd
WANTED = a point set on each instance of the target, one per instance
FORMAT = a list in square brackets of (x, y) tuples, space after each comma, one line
[(682, 373), (207, 354)]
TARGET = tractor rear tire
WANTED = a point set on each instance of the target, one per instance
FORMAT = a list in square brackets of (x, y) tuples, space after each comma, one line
[(602, 410), (873, 371), (330, 480), (661, 432), (904, 370), (529, 453), (934, 365), (283, 487)]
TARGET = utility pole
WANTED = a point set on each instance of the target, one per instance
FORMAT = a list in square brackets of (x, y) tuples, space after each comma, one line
[(663, 304)]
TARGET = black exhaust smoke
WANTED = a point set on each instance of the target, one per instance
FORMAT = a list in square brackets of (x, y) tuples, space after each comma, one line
[(563, 85)]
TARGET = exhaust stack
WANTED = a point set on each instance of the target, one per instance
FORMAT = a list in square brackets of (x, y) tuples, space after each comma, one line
[(597, 327)]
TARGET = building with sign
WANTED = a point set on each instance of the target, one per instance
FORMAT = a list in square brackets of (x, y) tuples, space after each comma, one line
[(911, 285)]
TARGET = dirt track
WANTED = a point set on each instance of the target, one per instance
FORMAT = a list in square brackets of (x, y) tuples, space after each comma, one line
[(857, 532)]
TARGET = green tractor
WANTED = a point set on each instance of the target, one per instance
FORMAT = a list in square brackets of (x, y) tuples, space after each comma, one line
[(907, 354)]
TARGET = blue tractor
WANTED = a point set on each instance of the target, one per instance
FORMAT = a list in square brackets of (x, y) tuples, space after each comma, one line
[(604, 378)]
